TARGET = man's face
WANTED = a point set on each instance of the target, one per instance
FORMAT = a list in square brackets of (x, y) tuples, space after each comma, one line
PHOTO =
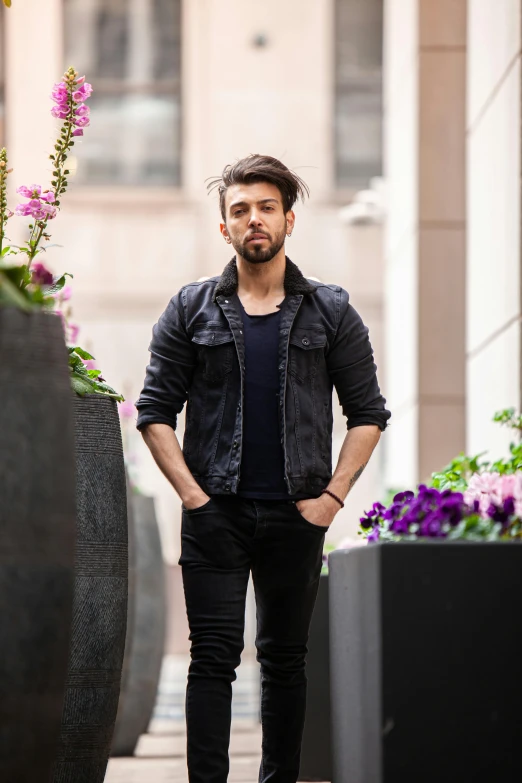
[(256, 224)]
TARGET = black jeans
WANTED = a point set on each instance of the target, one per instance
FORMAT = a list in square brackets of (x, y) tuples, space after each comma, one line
[(221, 543)]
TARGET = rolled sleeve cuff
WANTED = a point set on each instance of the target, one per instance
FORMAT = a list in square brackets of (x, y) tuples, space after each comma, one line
[(365, 419), (150, 415)]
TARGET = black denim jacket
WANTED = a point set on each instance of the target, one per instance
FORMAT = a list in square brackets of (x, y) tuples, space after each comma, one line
[(198, 357)]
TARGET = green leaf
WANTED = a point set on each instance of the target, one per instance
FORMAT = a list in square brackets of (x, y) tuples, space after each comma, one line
[(84, 354), (93, 373), (81, 385), (11, 294)]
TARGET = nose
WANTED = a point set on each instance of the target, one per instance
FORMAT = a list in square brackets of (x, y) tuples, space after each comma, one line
[(255, 219)]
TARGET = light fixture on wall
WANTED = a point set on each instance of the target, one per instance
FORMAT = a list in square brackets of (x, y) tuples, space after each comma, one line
[(367, 206)]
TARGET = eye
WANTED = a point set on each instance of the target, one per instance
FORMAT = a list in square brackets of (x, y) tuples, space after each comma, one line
[(238, 212), (269, 208)]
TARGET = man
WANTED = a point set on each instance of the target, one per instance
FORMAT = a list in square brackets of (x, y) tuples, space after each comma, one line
[(255, 354)]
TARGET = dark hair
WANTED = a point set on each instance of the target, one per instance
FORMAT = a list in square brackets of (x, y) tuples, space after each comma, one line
[(260, 168)]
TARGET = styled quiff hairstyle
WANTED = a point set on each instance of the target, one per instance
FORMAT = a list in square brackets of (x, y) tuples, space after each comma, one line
[(260, 168)]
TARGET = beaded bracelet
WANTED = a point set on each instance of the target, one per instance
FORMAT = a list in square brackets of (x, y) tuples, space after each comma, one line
[(332, 495)]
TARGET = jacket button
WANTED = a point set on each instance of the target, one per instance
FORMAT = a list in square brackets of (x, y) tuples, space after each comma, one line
[(227, 487), (305, 341), (235, 444)]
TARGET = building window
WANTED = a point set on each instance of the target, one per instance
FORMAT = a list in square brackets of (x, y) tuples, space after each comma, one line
[(358, 91), (130, 52)]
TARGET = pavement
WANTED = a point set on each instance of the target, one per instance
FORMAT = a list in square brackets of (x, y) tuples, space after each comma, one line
[(160, 754)]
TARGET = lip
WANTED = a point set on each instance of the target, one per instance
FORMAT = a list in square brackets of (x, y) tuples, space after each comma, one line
[(257, 238)]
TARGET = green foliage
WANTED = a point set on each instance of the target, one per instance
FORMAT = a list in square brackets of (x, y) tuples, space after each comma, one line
[(85, 381), (456, 475), (15, 288)]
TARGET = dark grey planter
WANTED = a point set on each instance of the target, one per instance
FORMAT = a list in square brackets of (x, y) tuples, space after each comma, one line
[(316, 756), (100, 600), (37, 535), (425, 644), (146, 628)]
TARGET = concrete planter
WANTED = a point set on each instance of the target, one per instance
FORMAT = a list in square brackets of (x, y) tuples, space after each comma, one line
[(425, 643), (100, 599), (37, 536), (146, 629), (316, 757)]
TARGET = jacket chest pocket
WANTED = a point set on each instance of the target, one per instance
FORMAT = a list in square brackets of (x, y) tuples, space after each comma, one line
[(305, 352), (215, 353)]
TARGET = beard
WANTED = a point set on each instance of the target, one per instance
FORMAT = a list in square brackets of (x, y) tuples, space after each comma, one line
[(255, 254)]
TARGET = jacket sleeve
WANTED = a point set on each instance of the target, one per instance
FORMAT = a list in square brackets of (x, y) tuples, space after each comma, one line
[(353, 371), (169, 374)]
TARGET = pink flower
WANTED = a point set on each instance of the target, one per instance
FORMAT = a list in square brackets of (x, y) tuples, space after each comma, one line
[(80, 80), (65, 293), (60, 112), (126, 409), (90, 364), (48, 210), (82, 110), (74, 330), (23, 210), (77, 132), (29, 192), (490, 488), (84, 92), (41, 275), (49, 197), (82, 122)]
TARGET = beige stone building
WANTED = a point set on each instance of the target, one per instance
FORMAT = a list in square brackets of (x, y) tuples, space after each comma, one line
[(430, 254), (181, 89), (452, 121)]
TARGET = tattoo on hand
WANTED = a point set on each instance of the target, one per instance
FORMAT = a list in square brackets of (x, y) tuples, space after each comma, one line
[(356, 475)]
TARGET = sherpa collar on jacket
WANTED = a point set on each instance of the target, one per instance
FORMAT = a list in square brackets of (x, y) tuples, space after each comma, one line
[(294, 283)]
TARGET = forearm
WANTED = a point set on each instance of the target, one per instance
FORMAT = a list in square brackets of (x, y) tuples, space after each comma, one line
[(164, 447), (356, 451)]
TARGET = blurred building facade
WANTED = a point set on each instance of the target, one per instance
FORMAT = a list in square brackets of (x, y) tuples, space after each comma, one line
[(183, 87)]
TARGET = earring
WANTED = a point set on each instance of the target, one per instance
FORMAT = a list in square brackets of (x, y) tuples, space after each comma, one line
[(289, 235)]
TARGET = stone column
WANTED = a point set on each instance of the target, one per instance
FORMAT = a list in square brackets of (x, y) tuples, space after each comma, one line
[(425, 98), (494, 215), (34, 62)]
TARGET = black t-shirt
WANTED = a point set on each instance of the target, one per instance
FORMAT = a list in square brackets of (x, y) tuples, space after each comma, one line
[(262, 459)]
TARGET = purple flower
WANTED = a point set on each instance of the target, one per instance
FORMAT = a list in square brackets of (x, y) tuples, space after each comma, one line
[(509, 506), (431, 526), (60, 112), (374, 535), (49, 197), (41, 275), (77, 132), (400, 526)]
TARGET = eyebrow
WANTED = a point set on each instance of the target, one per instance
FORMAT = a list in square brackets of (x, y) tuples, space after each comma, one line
[(245, 204)]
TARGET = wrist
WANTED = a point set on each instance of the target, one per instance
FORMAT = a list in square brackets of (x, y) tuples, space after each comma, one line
[(330, 504), (192, 495), (335, 498)]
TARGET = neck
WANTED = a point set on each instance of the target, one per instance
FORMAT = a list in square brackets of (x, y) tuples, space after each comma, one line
[(261, 280)]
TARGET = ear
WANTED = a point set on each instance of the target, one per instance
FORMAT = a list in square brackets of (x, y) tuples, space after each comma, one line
[(224, 233), (290, 222)]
